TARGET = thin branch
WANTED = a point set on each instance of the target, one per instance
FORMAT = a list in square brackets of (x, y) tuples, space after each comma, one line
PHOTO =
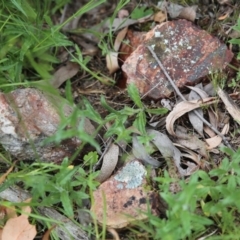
[(184, 99)]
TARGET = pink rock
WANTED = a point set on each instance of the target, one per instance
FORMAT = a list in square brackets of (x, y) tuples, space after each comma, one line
[(27, 118), (123, 198), (187, 53)]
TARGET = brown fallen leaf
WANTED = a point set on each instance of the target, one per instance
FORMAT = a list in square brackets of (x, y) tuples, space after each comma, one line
[(7, 212), (231, 106), (114, 233), (189, 153), (3, 177), (112, 57), (46, 235), (110, 160), (188, 13), (196, 122), (167, 149), (213, 119), (191, 141), (184, 107), (215, 141), (199, 90), (140, 153), (209, 131), (160, 16), (64, 73), (19, 228), (178, 11)]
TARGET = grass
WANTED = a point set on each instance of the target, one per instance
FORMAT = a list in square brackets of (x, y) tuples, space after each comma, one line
[(30, 41)]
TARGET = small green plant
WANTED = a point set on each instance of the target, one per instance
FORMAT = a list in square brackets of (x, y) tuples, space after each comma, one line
[(140, 12), (208, 203), (50, 184), (29, 39), (120, 119), (236, 40), (235, 81)]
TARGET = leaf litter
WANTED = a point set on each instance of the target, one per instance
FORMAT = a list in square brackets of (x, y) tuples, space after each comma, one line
[(186, 148)]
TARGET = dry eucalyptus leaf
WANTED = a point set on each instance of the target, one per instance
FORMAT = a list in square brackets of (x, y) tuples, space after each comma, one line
[(123, 13), (199, 90), (4, 176), (213, 119), (140, 153), (178, 11), (188, 13), (216, 140), (117, 24), (112, 57), (210, 89), (182, 108), (196, 122), (191, 141), (209, 131), (167, 149), (19, 228), (172, 9), (110, 160), (64, 73), (192, 167), (191, 154), (160, 16), (231, 106)]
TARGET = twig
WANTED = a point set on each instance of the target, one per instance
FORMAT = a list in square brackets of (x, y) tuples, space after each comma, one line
[(184, 99)]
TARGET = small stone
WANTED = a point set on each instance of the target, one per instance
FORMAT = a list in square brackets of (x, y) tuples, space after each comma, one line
[(186, 52), (27, 119), (123, 198)]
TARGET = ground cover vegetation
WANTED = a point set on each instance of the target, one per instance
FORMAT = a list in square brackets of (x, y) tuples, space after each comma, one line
[(39, 38)]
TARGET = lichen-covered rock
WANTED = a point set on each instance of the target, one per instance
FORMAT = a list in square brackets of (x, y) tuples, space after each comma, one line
[(27, 118), (187, 53), (123, 198)]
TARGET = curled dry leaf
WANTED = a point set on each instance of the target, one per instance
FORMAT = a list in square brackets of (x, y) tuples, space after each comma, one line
[(209, 131), (123, 13), (196, 122), (216, 140), (191, 141), (231, 106), (182, 108), (191, 154), (46, 235), (167, 149), (110, 160), (199, 90), (140, 153), (3, 177), (213, 119), (112, 57), (178, 11), (188, 13), (210, 89)]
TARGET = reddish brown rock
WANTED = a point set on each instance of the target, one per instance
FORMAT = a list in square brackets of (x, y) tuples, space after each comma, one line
[(123, 198), (27, 119), (131, 42), (187, 52)]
